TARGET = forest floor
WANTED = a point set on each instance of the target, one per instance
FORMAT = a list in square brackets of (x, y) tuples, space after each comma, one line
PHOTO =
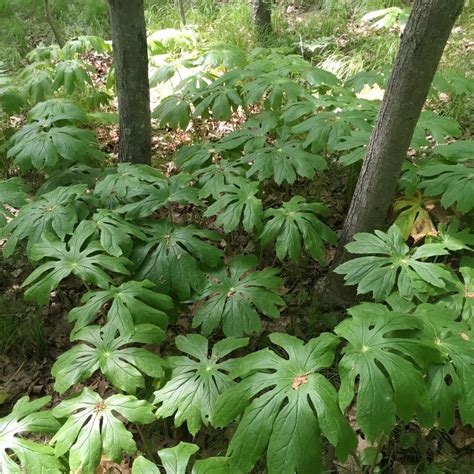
[(31, 337)]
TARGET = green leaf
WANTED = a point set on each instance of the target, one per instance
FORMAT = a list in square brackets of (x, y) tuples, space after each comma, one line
[(221, 97), (326, 129), (121, 364), (459, 150), (284, 162), (438, 127), (454, 183), (149, 199), (57, 211), (116, 233), (92, 428), (84, 44), (214, 177), (171, 256), (193, 157), (388, 368), (295, 225), (175, 461), (124, 179), (18, 454), (72, 74), (64, 111), (130, 304), (449, 384), (196, 382), (273, 89), (80, 256), (38, 83), (398, 266), (173, 111), (233, 296), (238, 203), (43, 146), (143, 466), (452, 238), (13, 193), (462, 302), (285, 405), (76, 174), (11, 100), (357, 142)]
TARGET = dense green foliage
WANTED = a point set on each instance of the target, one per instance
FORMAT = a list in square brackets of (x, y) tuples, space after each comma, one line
[(144, 246)]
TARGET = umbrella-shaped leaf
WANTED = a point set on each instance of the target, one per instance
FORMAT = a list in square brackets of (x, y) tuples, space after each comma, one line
[(80, 256), (234, 296), (92, 427), (196, 381), (285, 405), (103, 350), (19, 454)]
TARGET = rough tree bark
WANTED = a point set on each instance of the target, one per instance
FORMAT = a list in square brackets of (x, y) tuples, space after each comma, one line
[(262, 18), (53, 25), (421, 47), (131, 73)]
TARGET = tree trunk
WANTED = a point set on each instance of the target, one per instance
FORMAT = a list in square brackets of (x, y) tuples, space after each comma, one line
[(182, 12), (131, 73), (421, 47), (262, 18), (53, 24)]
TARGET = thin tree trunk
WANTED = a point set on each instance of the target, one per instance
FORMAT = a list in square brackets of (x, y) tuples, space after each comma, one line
[(53, 24), (131, 72), (262, 18), (421, 48), (182, 12)]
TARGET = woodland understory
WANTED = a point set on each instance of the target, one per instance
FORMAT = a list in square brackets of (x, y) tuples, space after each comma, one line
[(173, 316)]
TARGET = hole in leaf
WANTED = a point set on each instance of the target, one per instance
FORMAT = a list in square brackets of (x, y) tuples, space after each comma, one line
[(448, 380)]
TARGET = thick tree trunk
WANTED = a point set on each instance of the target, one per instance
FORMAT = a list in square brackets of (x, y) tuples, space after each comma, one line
[(262, 18), (421, 47), (131, 72), (53, 24), (182, 12)]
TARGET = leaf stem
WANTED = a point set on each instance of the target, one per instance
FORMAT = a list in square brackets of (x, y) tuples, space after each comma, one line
[(146, 448), (379, 448)]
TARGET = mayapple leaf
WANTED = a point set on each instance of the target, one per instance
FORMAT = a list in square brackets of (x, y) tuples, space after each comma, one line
[(92, 427), (170, 257), (72, 74), (196, 381), (295, 225), (149, 199), (125, 306), (101, 349), (454, 183), (235, 294), (19, 454), (118, 184), (13, 193), (57, 212), (176, 461), (394, 264), (283, 406), (80, 256), (238, 202), (284, 162), (389, 368), (47, 147), (116, 233), (449, 383)]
